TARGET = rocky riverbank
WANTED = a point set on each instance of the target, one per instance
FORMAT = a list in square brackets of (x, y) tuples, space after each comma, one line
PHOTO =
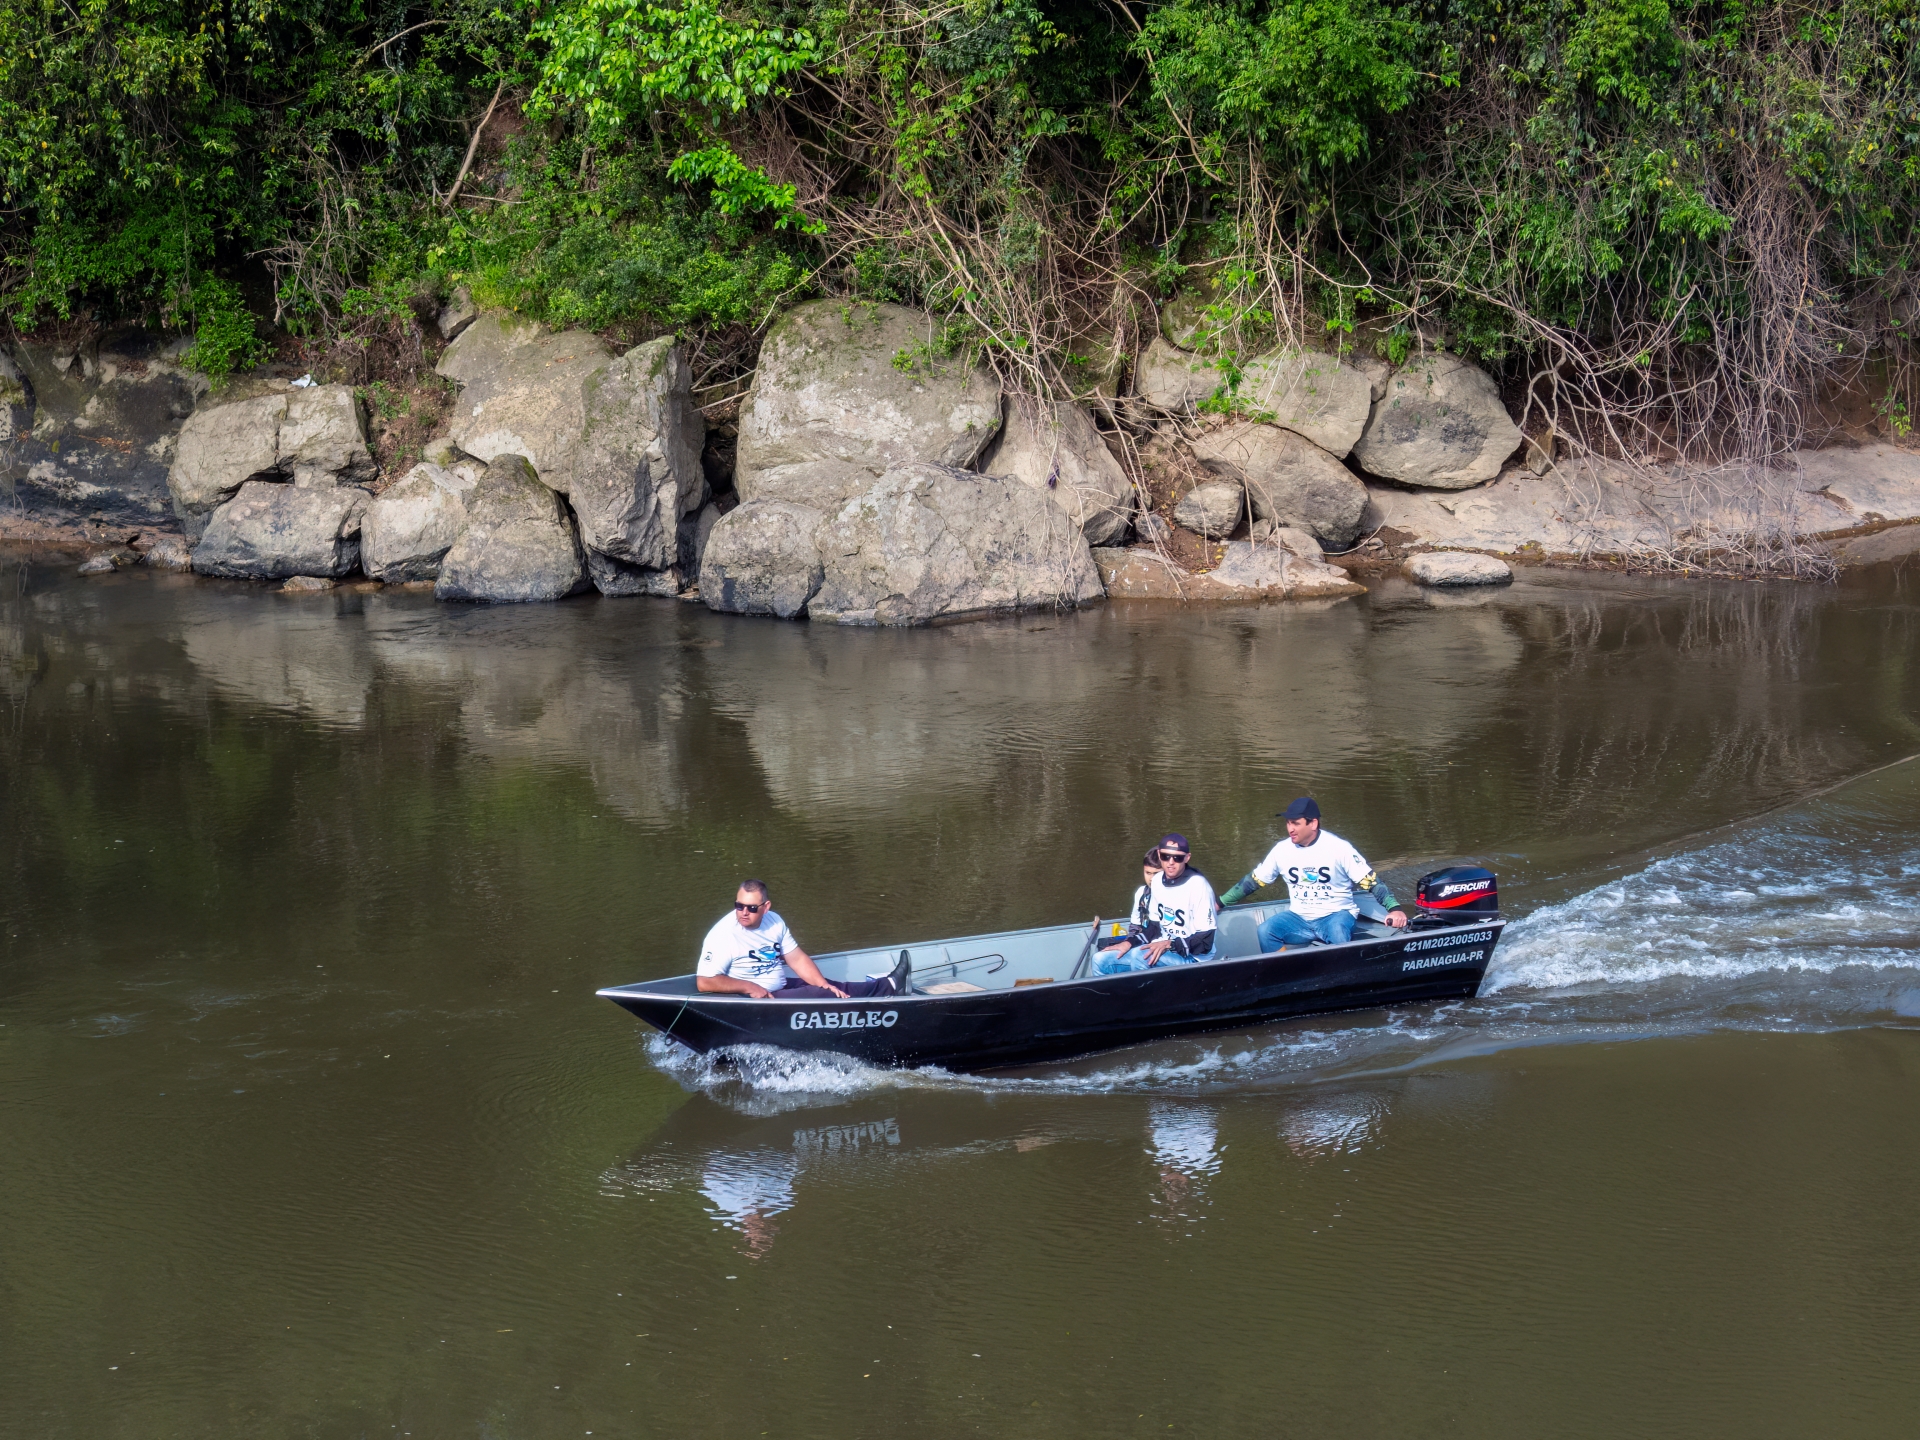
[(868, 478)]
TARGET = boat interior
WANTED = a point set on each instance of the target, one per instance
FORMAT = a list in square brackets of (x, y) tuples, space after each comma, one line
[(1016, 958)]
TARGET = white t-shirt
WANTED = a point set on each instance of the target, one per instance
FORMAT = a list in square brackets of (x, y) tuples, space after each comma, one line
[(1321, 877), (732, 949), (1188, 907)]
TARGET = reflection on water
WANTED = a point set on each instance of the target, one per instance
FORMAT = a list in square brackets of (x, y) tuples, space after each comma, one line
[(1537, 719), (1184, 1141), (1331, 1123), (313, 1125), (747, 1191)]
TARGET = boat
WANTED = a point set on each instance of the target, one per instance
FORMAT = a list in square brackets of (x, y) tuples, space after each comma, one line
[(1026, 997)]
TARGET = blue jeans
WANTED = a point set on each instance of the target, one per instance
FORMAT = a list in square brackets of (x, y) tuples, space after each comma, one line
[(1286, 927), (1119, 962)]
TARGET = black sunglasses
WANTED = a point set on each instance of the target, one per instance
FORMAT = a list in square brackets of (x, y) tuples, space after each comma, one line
[(1165, 855), (750, 909)]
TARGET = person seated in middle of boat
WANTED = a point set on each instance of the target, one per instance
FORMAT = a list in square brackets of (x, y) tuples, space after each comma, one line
[(751, 952), (1183, 915), (1136, 931), (1328, 883)]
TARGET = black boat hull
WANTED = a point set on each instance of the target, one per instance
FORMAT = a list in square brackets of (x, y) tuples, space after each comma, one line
[(988, 1029)]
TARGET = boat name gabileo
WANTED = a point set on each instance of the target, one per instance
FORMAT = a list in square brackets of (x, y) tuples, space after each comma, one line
[(842, 1020)]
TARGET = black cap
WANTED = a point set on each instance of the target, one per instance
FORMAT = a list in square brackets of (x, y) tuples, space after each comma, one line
[(1305, 808), (1171, 841)]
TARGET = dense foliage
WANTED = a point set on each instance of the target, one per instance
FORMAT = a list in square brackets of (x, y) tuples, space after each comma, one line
[(1678, 221)]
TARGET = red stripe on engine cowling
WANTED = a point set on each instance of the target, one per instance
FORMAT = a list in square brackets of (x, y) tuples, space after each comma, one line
[(1456, 900)]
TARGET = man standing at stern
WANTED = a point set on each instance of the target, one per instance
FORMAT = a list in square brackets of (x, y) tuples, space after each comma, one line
[(1182, 912), (1327, 883), (751, 952)]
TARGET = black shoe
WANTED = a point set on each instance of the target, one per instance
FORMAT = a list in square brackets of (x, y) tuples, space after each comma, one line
[(901, 976)]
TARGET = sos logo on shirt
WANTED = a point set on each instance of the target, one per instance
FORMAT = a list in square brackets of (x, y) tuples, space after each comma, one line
[(764, 959), (1322, 873)]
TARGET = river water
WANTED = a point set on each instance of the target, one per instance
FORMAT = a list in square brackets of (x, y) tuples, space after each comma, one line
[(311, 1123)]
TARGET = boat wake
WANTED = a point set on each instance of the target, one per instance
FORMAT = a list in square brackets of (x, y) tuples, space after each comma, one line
[(1725, 914), (1805, 920), (764, 1080)]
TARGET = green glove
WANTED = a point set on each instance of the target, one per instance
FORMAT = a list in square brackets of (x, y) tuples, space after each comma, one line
[(1242, 888)]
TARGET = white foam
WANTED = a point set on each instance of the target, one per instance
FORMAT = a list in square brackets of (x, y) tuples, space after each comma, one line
[(764, 1080), (1722, 913)]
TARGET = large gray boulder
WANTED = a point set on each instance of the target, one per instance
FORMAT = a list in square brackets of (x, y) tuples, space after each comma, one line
[(927, 542), (703, 524), (760, 559), (89, 432), (1898, 544), (1590, 507), (1285, 565), (523, 392), (272, 531), (221, 448), (456, 315), (1310, 393), (637, 472), (168, 552), (1458, 567), (1288, 478), (1522, 510), (1441, 424), (1172, 380), (830, 411), (620, 438), (408, 530), (323, 438), (1585, 508), (617, 578), (518, 544), (1868, 485), (1287, 562), (15, 398), (312, 437), (1212, 509), (1377, 371), (1184, 320), (1059, 450)]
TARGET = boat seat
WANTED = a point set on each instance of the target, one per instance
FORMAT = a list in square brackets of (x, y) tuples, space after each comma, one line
[(1239, 935)]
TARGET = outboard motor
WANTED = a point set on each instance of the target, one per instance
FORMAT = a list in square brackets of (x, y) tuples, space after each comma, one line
[(1458, 895)]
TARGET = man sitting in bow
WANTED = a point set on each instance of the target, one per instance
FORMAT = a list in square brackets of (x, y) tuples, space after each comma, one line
[(1328, 882), (751, 952)]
